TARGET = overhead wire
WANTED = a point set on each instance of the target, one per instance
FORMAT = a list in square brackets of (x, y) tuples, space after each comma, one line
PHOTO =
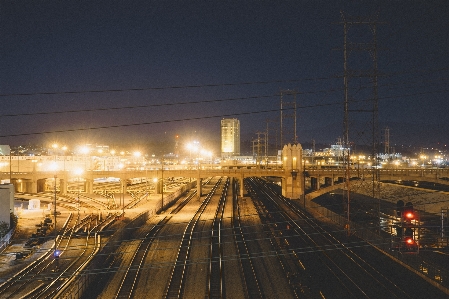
[(408, 81), (214, 116)]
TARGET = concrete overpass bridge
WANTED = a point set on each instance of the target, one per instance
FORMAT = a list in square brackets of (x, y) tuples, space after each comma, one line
[(293, 180), (328, 177), (293, 174)]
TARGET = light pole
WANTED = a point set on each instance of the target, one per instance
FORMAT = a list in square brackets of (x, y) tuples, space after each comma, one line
[(304, 182), (162, 185), (123, 206), (78, 173), (10, 167), (64, 149), (55, 252)]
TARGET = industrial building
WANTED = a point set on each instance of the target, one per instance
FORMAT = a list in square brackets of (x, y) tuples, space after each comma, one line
[(230, 137)]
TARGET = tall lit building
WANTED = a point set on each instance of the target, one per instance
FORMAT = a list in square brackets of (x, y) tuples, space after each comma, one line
[(230, 137)]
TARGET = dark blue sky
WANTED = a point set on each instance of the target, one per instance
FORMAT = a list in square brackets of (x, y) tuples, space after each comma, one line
[(133, 54)]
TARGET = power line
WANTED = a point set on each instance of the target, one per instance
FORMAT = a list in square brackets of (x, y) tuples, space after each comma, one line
[(162, 87), (71, 92), (211, 116), (219, 100)]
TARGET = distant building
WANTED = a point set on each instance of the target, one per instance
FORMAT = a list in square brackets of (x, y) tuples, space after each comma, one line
[(230, 137), (6, 202)]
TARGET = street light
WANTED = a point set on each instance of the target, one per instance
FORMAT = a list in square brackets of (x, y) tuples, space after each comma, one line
[(121, 189), (78, 173), (64, 149), (423, 158), (304, 182), (136, 160), (162, 183), (192, 147), (55, 252)]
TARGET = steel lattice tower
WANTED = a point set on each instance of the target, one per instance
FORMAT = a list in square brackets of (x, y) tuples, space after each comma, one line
[(360, 92), (288, 117)]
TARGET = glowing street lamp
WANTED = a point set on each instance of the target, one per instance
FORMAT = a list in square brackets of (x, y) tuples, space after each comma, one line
[(64, 149), (423, 158), (192, 147), (55, 252), (78, 172)]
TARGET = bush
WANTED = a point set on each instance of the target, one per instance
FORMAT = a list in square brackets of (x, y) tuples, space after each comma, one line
[(4, 228), (13, 220)]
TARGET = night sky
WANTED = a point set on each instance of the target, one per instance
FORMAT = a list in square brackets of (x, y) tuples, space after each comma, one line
[(130, 72)]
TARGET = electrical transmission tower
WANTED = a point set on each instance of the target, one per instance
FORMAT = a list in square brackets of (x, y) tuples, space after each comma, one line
[(387, 141), (288, 117), (260, 148), (360, 93)]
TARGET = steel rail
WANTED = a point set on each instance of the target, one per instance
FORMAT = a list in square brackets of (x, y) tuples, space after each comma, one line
[(21, 280), (215, 277), (251, 284), (336, 246), (175, 286), (56, 286), (288, 260)]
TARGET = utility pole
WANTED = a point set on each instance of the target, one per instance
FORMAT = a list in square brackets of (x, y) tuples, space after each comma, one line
[(259, 146), (288, 117), (351, 104), (387, 141), (55, 252)]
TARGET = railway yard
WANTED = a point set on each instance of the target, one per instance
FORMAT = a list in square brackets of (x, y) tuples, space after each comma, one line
[(218, 245)]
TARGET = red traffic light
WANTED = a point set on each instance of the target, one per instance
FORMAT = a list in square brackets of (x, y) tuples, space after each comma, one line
[(409, 241), (409, 215)]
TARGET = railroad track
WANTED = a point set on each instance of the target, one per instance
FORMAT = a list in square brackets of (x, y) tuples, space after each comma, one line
[(289, 261), (176, 284), (129, 281), (350, 267), (50, 272), (215, 277), (251, 282)]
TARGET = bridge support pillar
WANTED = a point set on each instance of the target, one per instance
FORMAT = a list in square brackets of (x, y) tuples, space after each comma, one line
[(292, 187), (314, 182), (293, 180), (18, 185), (89, 186), (41, 185), (62, 186), (33, 186)]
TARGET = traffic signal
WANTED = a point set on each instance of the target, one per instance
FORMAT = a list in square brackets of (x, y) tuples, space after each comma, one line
[(408, 233), (405, 211), (409, 240), (408, 212), (399, 208)]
